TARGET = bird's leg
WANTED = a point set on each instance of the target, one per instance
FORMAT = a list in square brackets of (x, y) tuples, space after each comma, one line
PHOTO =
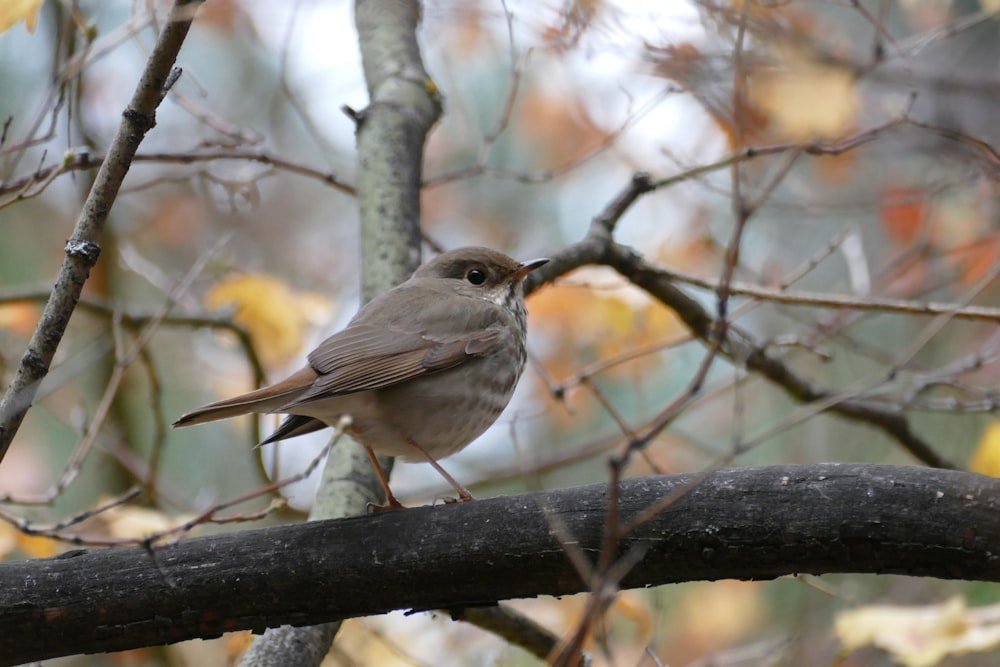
[(390, 500), (463, 493)]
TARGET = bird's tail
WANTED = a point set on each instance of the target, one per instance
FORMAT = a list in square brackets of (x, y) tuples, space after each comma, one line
[(231, 407), (266, 399)]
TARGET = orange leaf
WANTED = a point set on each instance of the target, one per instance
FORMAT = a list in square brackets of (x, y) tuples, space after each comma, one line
[(557, 129), (977, 259), (903, 213)]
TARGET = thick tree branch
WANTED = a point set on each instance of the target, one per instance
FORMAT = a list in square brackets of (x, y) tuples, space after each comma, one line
[(83, 246), (752, 523)]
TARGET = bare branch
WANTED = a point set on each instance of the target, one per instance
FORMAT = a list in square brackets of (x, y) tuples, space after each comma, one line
[(83, 247)]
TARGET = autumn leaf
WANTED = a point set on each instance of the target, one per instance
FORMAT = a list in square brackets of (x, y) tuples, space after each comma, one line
[(237, 643), (276, 316), (19, 317), (710, 616), (921, 636), (575, 19), (556, 128), (597, 316), (986, 458), (38, 546), (12, 11), (903, 213), (8, 539), (976, 259), (804, 100), (13, 540)]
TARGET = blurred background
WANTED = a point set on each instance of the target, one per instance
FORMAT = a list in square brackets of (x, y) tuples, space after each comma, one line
[(873, 176)]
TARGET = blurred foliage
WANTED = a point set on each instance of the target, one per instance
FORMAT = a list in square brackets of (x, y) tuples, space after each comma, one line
[(549, 110)]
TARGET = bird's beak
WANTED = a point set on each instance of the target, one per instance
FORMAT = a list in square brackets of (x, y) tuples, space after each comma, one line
[(528, 267)]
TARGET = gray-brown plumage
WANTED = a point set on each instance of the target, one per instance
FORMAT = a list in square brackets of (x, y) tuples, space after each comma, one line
[(422, 369)]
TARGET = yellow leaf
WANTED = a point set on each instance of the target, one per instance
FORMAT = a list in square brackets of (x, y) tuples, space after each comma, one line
[(12, 539), (37, 546), (920, 636), (986, 458), (806, 100), (12, 11), (276, 316), (8, 539)]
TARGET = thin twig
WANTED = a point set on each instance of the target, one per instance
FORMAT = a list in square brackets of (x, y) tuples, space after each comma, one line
[(866, 303), (83, 246)]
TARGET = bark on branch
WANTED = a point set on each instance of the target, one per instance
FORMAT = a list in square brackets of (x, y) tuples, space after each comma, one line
[(750, 523), (83, 247)]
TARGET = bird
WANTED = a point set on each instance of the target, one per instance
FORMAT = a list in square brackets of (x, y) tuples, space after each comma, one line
[(421, 370)]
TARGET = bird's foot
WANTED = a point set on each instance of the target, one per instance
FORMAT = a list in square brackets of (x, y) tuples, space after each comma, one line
[(463, 497), (392, 504)]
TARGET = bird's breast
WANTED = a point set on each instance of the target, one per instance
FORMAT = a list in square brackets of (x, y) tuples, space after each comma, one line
[(445, 411)]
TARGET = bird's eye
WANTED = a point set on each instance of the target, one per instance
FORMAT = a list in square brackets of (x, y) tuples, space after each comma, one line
[(476, 276)]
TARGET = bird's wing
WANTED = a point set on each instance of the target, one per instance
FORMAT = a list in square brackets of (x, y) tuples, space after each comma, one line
[(363, 357)]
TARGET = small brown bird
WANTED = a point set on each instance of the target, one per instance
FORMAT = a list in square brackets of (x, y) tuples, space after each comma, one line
[(422, 370)]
